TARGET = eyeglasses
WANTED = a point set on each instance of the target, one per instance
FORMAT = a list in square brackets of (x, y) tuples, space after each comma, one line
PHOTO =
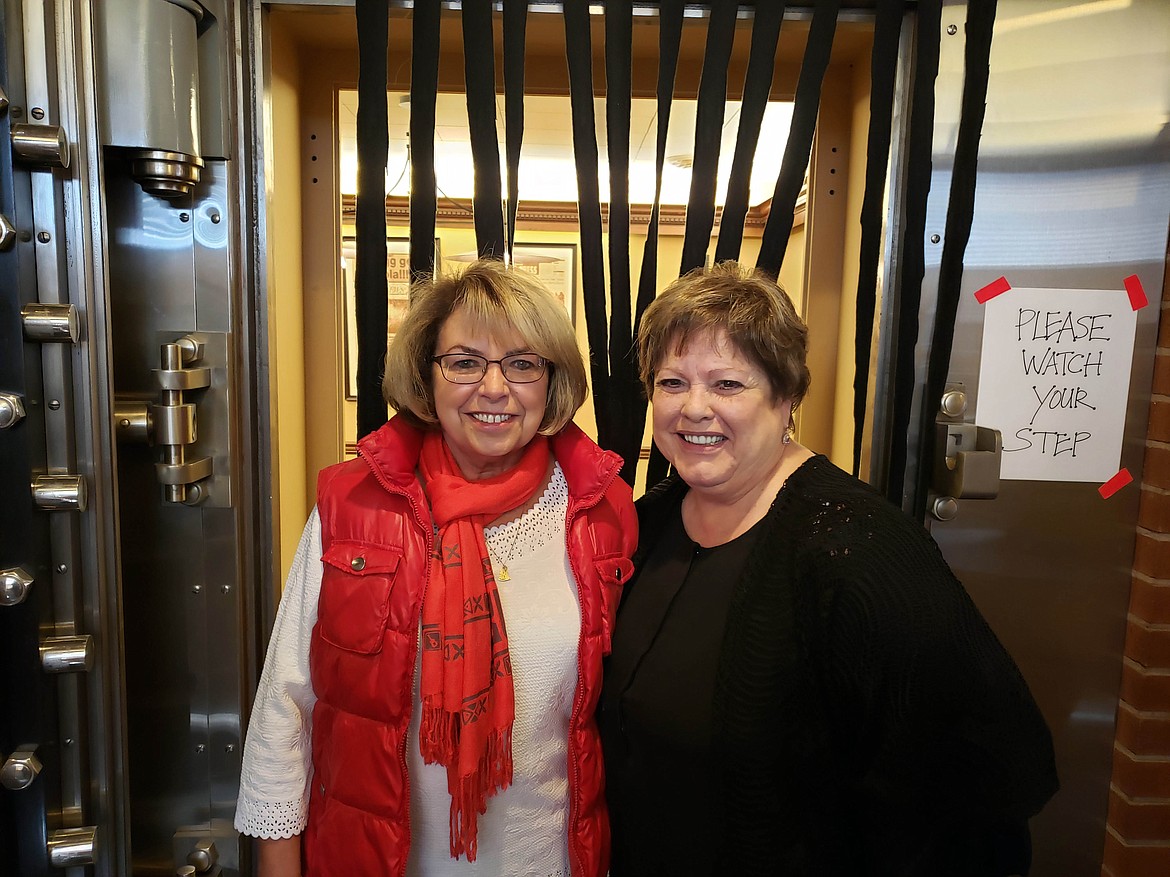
[(470, 368)]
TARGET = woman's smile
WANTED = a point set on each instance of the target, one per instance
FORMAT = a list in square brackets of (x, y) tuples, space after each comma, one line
[(489, 419), (702, 439)]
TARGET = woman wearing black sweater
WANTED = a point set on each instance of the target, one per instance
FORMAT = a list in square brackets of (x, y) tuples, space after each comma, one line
[(798, 684)]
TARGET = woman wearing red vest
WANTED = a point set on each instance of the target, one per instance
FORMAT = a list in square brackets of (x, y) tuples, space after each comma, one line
[(427, 702)]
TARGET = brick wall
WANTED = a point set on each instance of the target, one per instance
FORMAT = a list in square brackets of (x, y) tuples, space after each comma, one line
[(1137, 839)]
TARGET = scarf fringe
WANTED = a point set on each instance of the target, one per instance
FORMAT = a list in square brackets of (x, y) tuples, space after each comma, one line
[(438, 735), (493, 774)]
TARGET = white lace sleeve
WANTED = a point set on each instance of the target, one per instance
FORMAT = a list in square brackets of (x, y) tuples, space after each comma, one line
[(274, 779)]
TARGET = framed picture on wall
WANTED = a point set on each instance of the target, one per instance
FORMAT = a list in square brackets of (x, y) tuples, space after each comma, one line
[(555, 265), (397, 297)]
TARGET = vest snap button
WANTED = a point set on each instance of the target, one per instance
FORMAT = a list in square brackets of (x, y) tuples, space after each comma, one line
[(358, 563)]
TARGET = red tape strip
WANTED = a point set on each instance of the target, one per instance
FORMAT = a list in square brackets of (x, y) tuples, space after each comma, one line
[(1115, 484), (1137, 295), (991, 290)]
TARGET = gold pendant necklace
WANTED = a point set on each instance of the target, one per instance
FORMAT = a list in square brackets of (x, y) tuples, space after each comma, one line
[(502, 575)]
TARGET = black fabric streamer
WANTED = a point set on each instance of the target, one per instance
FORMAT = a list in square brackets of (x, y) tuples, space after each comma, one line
[(799, 146), (619, 21), (580, 59), (515, 25), (670, 20), (960, 215), (708, 134), (480, 75), (883, 70), (911, 256), (424, 85), (757, 85), (373, 141)]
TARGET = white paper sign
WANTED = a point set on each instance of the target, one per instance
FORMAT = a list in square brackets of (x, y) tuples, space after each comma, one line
[(1054, 380)]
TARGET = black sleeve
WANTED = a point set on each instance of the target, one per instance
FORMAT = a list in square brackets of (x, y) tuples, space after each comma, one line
[(952, 754)]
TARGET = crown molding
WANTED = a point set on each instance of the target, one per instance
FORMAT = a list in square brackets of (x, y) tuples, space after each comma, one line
[(538, 215)]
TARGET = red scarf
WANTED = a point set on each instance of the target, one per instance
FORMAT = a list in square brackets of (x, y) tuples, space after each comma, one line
[(467, 696)]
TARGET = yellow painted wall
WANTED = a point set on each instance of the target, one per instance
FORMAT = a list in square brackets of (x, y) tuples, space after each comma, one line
[(323, 365), (286, 298)]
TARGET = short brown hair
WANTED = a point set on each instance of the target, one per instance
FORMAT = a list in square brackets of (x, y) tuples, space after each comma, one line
[(498, 299), (755, 313)]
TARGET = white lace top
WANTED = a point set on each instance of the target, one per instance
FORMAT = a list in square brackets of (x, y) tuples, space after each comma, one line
[(524, 831)]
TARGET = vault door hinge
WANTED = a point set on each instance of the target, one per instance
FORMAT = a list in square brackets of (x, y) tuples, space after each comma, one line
[(188, 422)]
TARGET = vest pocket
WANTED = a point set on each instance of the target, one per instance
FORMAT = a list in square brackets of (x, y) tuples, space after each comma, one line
[(613, 570), (355, 595)]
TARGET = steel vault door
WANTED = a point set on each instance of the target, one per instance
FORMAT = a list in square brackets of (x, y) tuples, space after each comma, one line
[(1073, 193), (128, 469)]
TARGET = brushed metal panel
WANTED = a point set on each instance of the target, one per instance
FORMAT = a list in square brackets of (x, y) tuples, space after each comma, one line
[(151, 274), (212, 223), (216, 282), (171, 274), (1073, 192), (164, 613), (224, 629)]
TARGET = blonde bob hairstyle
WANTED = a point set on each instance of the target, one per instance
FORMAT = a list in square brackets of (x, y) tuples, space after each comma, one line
[(498, 300), (755, 313)]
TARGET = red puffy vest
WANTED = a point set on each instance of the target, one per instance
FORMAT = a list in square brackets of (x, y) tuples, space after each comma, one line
[(376, 536)]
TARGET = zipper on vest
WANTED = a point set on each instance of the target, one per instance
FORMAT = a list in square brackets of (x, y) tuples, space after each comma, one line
[(429, 534), (430, 541), (579, 696)]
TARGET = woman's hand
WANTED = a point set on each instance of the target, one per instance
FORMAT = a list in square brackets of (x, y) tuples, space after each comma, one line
[(279, 858)]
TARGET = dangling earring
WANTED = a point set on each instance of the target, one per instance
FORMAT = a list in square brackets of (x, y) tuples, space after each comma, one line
[(788, 433), (787, 437)]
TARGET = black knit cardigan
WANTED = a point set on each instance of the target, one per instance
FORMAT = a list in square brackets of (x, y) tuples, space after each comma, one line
[(867, 719)]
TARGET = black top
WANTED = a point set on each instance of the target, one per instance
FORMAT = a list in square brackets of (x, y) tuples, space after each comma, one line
[(660, 685), (863, 718)]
